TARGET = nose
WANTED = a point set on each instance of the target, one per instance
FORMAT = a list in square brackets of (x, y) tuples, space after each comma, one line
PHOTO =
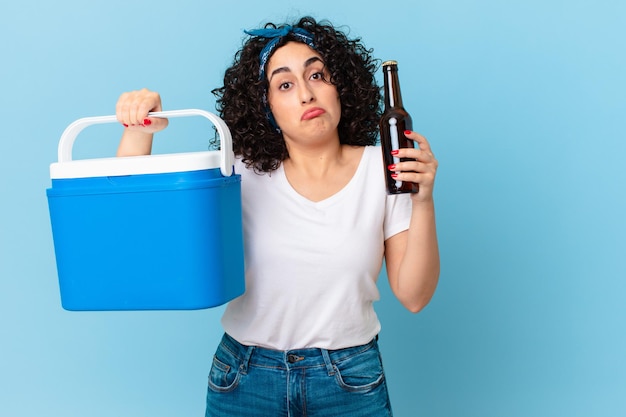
[(306, 94)]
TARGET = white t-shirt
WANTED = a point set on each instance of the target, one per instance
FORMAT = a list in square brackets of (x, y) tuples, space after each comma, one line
[(312, 267)]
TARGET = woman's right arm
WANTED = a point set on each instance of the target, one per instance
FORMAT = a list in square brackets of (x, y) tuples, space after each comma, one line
[(132, 111)]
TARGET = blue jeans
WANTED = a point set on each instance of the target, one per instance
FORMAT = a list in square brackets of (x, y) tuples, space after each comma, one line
[(249, 381)]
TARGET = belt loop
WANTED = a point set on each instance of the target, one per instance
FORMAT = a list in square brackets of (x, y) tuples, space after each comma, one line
[(329, 365), (246, 359)]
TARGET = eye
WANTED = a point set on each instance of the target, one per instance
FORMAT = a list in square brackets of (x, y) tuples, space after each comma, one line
[(317, 75), (284, 86)]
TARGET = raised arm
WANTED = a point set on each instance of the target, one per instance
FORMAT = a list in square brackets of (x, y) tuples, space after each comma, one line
[(412, 257), (132, 111)]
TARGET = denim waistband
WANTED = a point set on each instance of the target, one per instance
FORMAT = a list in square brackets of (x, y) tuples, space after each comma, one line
[(292, 359)]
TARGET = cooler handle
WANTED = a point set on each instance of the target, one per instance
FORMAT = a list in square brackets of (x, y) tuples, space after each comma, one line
[(227, 156)]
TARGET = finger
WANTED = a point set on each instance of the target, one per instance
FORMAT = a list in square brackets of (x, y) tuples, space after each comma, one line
[(416, 154), (413, 166), (126, 108), (121, 108), (154, 124), (425, 181), (136, 110), (422, 142), (147, 101)]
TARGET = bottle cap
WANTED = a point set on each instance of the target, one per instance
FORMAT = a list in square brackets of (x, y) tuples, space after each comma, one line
[(387, 63)]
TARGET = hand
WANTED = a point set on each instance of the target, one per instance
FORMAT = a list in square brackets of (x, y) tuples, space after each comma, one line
[(421, 170), (132, 110)]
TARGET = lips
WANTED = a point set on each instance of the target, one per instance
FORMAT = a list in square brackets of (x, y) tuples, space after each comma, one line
[(312, 113)]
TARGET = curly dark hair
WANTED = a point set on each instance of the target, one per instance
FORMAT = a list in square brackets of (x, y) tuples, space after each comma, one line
[(351, 67)]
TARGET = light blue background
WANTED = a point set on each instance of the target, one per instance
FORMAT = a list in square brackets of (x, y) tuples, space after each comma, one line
[(524, 103)]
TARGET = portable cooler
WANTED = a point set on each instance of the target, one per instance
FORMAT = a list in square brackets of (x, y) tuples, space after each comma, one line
[(155, 232)]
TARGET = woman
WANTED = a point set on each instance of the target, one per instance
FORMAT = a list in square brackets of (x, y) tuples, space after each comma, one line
[(303, 106)]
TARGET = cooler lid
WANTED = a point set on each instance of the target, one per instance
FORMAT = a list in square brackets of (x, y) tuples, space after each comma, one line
[(135, 165)]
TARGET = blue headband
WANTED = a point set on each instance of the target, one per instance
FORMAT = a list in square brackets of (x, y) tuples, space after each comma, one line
[(275, 36)]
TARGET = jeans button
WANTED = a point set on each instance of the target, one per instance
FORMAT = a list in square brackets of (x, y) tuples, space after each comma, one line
[(291, 358)]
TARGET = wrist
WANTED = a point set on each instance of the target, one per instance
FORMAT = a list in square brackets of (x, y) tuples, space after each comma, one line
[(423, 205)]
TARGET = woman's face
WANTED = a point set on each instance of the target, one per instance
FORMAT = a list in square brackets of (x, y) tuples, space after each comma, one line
[(305, 106)]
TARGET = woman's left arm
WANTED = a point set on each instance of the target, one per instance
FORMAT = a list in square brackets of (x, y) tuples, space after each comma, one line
[(412, 256)]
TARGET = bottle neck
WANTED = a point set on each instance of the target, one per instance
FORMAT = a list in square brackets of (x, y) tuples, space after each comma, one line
[(393, 97)]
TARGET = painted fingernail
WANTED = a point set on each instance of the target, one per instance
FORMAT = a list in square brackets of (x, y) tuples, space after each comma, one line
[(407, 132), (394, 152), (147, 122), (391, 167), (125, 125), (394, 175)]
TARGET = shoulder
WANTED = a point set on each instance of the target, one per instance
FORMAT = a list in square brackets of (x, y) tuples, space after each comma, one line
[(242, 169), (373, 150), (252, 177), (372, 155)]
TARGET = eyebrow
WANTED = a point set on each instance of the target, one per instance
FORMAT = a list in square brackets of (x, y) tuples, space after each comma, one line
[(307, 63)]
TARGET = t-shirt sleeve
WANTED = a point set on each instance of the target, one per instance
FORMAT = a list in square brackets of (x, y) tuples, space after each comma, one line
[(397, 214)]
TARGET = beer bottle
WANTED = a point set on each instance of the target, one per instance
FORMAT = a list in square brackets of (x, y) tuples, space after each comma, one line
[(394, 121)]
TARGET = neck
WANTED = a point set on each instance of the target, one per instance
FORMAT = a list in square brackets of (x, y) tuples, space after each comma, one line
[(315, 160), (320, 173)]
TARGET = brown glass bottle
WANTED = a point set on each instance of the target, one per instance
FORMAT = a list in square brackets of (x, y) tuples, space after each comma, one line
[(394, 121)]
